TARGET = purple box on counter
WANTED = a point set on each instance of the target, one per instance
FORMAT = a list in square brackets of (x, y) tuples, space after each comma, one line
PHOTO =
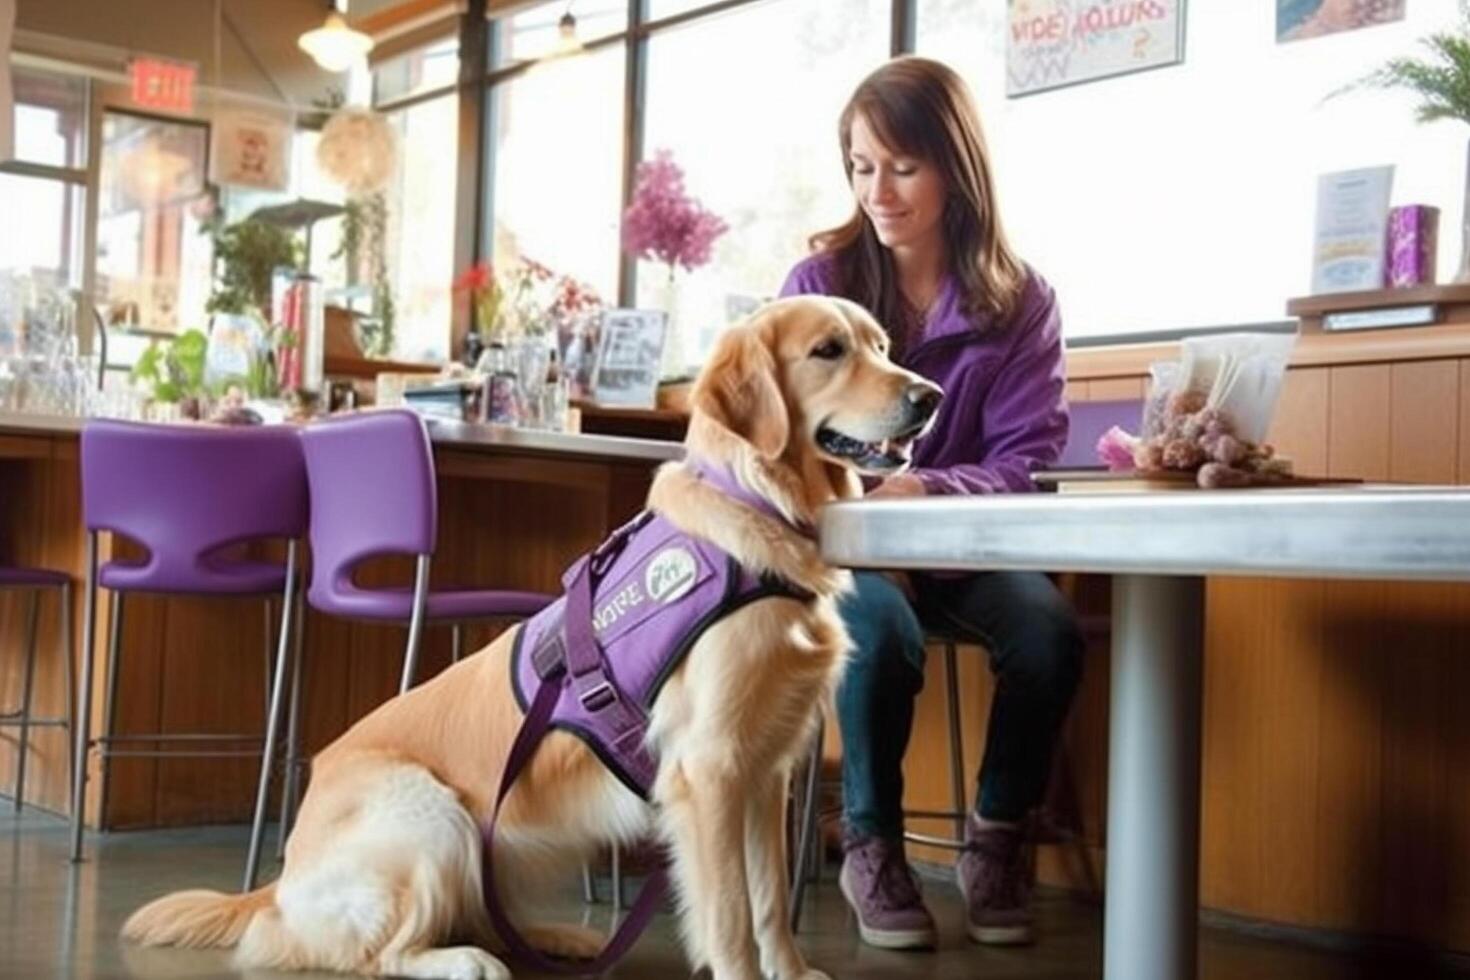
[(1413, 237)]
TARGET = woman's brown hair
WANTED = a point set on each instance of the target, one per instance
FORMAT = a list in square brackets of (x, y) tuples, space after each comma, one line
[(921, 108)]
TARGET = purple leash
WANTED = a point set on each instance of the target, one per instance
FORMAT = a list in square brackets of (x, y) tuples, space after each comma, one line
[(582, 658)]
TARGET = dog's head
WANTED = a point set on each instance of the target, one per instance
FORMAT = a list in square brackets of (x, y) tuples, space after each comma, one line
[(803, 390)]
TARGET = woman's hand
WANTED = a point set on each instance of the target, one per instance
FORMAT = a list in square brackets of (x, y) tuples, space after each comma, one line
[(902, 485)]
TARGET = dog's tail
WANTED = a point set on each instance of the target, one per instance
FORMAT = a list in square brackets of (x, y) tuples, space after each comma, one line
[(197, 918)]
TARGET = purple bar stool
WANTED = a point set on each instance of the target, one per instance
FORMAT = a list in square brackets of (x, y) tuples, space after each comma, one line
[(37, 581), (373, 494), (186, 494)]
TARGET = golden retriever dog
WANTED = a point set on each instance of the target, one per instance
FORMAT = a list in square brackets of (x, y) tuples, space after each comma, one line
[(383, 869)]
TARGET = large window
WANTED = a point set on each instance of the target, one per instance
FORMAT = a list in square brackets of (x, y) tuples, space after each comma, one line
[(557, 152), (1185, 196), (421, 211), (153, 263), (762, 154), (43, 206)]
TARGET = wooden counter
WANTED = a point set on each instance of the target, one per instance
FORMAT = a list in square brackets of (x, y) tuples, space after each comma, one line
[(515, 509)]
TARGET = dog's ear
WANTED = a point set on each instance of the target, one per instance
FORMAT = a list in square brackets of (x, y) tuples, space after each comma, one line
[(738, 390)]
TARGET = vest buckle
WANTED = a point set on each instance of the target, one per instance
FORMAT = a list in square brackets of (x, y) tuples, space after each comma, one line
[(599, 696)]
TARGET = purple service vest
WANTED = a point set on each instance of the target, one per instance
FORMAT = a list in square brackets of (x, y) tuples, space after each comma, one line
[(655, 590)]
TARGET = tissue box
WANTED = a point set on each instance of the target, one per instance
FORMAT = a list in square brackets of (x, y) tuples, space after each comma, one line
[(1413, 237)]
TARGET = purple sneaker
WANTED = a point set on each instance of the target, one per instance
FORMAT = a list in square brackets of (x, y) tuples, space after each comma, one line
[(995, 879), (880, 887)]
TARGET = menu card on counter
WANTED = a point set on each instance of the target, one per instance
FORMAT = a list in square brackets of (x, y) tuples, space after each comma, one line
[(1352, 226)]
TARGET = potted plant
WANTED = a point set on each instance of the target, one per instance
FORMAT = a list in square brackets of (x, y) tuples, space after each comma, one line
[(173, 372), (247, 254)]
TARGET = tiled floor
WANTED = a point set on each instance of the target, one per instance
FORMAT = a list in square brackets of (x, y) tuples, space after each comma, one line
[(61, 921)]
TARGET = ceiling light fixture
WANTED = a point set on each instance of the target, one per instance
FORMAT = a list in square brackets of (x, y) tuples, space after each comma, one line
[(567, 42), (335, 46)]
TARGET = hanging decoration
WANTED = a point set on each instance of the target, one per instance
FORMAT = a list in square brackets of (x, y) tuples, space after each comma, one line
[(358, 150)]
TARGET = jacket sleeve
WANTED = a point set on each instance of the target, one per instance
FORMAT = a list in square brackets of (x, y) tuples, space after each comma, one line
[(805, 278), (1022, 416)]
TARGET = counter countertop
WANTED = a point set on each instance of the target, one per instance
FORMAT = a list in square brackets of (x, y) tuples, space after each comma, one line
[(445, 434)]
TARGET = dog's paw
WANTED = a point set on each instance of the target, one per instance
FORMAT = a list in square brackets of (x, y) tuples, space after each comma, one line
[(811, 974), (450, 963), (564, 940)]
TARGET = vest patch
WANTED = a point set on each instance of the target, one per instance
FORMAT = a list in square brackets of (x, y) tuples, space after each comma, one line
[(670, 575)]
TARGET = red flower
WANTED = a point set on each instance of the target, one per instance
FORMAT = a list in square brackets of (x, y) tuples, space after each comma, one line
[(477, 277)]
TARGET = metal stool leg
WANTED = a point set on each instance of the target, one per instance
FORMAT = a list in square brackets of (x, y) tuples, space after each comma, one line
[(956, 742), (109, 712), (82, 733), (808, 837), (456, 643), (291, 787), (272, 721), (69, 666), (415, 623), (25, 699)]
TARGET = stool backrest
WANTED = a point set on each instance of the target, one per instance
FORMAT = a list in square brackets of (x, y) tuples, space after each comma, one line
[(1088, 423), (186, 491), (372, 493)]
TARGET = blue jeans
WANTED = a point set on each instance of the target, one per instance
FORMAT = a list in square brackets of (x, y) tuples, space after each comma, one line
[(1035, 649)]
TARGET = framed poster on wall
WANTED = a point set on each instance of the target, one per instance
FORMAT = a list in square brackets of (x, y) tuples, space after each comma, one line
[(1054, 43), (251, 149)]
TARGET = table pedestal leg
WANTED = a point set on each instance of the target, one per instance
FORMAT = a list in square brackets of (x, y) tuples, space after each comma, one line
[(1152, 905)]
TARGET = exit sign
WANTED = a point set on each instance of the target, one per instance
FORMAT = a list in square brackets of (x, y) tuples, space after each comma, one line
[(165, 85)]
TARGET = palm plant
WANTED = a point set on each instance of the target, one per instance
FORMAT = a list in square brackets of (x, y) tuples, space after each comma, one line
[(1442, 79)]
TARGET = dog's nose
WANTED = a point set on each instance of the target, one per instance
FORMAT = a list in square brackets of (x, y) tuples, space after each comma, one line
[(923, 399)]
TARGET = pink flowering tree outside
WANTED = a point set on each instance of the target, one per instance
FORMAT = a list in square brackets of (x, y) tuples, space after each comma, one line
[(663, 223)]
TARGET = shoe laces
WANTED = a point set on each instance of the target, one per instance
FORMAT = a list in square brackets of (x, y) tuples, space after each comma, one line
[(890, 880)]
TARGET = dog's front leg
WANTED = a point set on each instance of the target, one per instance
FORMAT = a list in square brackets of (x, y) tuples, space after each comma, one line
[(705, 816), (765, 859)]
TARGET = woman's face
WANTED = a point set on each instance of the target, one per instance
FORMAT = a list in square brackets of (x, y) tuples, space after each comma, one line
[(903, 196)]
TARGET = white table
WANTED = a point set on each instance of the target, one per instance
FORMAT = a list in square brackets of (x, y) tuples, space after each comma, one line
[(1159, 547)]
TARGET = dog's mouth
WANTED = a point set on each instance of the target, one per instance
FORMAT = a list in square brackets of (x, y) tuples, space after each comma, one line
[(880, 457)]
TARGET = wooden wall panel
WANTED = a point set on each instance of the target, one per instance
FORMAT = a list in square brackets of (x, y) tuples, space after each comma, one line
[(1464, 400), (1359, 403), (1299, 426), (1424, 422), (1115, 389)]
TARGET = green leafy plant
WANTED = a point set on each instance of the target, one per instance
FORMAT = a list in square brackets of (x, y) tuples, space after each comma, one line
[(363, 246), (1441, 79), (173, 369), (246, 253)]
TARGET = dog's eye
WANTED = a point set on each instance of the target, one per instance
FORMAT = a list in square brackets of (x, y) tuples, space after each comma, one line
[(829, 350)]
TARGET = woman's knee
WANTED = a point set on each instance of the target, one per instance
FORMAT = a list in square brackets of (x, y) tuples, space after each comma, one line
[(884, 628), (1036, 638)]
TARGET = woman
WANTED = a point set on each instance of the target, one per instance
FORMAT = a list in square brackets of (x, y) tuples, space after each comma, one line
[(925, 253)]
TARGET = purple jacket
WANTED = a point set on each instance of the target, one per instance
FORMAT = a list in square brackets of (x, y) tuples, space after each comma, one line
[(1004, 412)]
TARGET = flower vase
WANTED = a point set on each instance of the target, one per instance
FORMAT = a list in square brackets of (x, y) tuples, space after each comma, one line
[(673, 364)]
